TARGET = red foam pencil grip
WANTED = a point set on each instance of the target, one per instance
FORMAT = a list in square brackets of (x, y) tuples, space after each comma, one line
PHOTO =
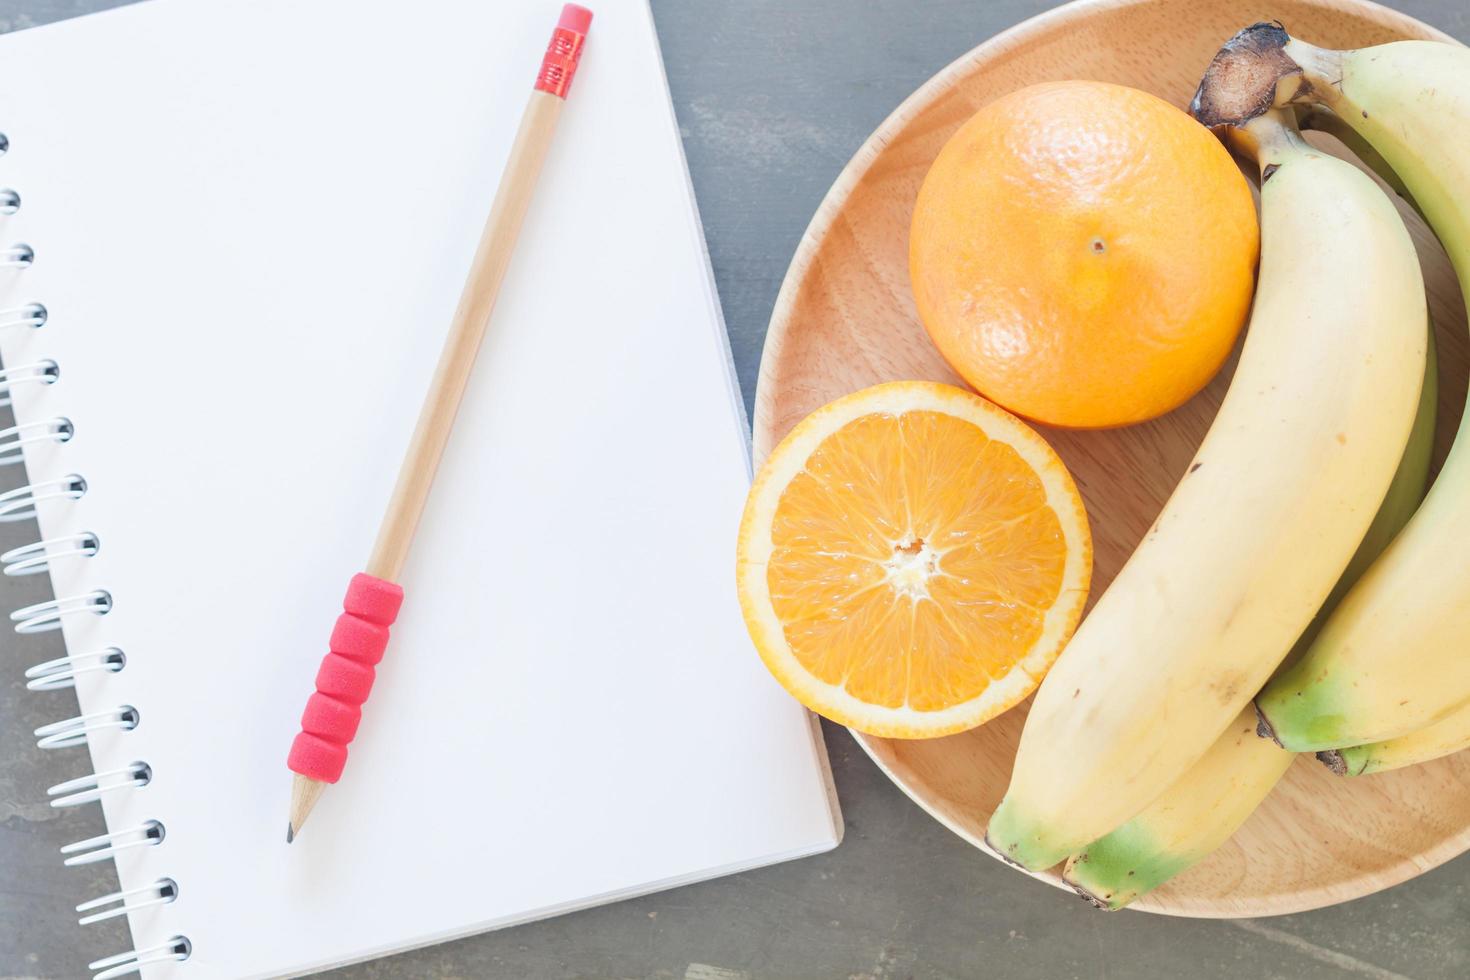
[(346, 676)]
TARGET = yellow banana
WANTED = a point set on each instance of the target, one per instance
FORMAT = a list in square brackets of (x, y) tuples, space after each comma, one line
[(1390, 661), (1444, 737), (1195, 815), (1204, 808), (1250, 543)]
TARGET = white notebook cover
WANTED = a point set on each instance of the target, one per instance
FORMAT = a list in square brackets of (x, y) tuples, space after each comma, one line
[(251, 221)]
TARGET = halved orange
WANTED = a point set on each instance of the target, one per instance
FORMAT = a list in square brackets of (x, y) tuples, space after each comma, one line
[(912, 560)]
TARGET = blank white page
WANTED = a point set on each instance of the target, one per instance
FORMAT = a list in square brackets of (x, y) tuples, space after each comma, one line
[(252, 220)]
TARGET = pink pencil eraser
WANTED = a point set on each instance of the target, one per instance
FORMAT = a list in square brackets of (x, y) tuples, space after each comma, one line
[(564, 50), (575, 17)]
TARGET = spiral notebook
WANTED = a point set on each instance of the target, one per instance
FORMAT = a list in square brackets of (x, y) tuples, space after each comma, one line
[(237, 231)]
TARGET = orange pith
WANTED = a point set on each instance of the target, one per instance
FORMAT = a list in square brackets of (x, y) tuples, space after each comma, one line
[(917, 568)]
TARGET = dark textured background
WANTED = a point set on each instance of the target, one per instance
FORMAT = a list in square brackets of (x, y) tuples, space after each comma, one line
[(773, 96)]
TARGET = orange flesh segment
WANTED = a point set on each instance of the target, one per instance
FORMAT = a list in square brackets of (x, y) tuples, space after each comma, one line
[(914, 560)]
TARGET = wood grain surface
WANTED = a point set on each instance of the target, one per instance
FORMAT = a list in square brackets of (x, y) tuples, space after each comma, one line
[(845, 319)]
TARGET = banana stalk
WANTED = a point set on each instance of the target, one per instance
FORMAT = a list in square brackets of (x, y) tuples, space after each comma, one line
[(1324, 120), (1248, 547), (1390, 661), (1202, 810)]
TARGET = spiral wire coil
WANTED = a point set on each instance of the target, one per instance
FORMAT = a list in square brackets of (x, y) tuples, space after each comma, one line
[(40, 557)]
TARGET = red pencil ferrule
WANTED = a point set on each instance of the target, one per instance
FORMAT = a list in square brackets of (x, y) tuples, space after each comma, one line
[(345, 678), (559, 63)]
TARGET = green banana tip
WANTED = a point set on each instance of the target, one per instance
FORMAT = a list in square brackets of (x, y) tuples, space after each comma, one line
[(1333, 760)]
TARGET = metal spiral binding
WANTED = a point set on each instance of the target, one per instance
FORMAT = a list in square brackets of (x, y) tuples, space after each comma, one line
[(43, 617), (20, 504), (85, 789), (42, 372), (160, 892), (75, 731), (133, 961), (19, 255), (54, 675), (29, 315), (149, 833), (32, 559), (17, 436)]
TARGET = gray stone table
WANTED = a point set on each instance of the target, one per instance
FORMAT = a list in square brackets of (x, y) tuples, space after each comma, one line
[(773, 96)]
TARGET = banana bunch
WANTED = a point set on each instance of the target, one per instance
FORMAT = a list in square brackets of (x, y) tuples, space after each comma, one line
[(1209, 802), (1379, 682), (1261, 527), (1386, 683)]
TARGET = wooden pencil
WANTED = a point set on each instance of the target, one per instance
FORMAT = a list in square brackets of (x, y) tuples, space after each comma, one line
[(334, 699)]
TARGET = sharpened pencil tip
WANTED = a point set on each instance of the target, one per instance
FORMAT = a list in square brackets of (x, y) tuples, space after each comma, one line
[(304, 794)]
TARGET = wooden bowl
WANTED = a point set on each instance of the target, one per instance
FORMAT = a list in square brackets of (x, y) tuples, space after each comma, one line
[(845, 319)]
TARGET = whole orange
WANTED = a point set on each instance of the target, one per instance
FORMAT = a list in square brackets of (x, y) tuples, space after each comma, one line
[(1084, 253)]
